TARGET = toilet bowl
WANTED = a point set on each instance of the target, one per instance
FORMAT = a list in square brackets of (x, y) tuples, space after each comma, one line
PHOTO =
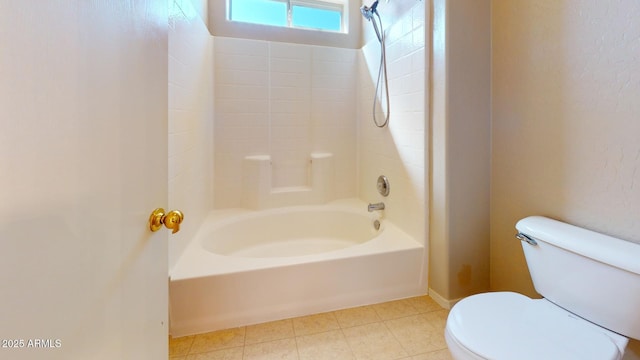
[(590, 285), (507, 325)]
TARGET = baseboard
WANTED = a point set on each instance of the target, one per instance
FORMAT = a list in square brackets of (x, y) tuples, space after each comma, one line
[(445, 303)]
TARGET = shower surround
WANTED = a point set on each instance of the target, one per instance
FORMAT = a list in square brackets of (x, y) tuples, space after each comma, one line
[(293, 104), (289, 100)]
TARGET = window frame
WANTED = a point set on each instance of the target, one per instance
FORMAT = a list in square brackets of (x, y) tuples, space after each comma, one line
[(339, 6)]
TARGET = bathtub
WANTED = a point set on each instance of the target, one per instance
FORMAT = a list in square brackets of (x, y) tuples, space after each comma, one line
[(245, 267)]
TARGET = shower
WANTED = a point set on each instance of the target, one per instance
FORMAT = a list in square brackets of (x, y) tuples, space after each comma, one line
[(370, 13)]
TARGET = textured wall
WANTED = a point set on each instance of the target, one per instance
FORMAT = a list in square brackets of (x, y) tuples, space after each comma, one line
[(459, 224), (566, 100)]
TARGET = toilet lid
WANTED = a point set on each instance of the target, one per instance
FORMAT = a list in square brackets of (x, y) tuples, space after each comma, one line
[(507, 325)]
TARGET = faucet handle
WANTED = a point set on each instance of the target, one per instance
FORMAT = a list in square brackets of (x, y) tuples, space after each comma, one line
[(376, 206)]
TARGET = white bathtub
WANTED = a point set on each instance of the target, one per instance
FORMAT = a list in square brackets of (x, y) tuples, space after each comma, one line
[(246, 267)]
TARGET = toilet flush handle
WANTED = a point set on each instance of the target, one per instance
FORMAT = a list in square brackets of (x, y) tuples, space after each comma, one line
[(524, 237)]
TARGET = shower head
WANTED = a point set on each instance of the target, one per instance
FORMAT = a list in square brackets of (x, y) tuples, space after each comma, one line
[(368, 11)]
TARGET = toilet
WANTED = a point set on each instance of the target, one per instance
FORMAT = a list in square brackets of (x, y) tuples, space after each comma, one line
[(590, 285)]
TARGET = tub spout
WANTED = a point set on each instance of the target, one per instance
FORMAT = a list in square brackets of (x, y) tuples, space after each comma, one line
[(376, 206)]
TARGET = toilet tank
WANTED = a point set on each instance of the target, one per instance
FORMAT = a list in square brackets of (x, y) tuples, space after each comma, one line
[(592, 275)]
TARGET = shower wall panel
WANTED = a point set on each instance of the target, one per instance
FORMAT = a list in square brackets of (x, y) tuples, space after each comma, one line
[(287, 101), (190, 121), (398, 150)]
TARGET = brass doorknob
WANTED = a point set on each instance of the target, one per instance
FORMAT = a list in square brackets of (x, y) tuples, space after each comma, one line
[(171, 220)]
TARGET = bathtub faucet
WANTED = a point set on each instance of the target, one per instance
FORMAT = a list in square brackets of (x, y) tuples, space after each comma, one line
[(376, 206)]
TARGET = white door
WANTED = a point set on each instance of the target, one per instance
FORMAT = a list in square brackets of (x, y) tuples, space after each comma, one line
[(83, 162)]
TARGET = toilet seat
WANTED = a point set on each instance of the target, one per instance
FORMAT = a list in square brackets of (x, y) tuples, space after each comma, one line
[(507, 325)]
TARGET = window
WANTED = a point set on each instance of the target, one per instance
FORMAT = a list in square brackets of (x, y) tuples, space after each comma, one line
[(307, 14)]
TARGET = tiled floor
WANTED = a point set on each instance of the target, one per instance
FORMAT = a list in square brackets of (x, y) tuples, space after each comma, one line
[(409, 329)]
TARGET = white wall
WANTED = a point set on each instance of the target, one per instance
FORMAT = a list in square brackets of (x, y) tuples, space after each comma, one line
[(202, 8), (398, 150), (190, 121), (284, 100)]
